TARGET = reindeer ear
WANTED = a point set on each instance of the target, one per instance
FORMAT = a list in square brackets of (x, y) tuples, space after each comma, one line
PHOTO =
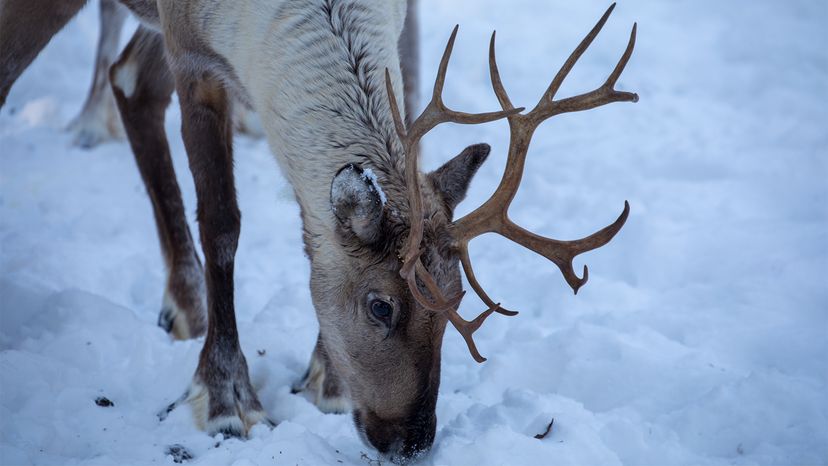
[(453, 178), (356, 202)]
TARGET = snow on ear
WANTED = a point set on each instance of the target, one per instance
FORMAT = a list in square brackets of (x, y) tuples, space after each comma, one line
[(357, 201), (453, 178)]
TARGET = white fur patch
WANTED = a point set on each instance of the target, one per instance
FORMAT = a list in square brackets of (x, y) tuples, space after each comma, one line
[(313, 390), (335, 405), (251, 418), (199, 401), (126, 78)]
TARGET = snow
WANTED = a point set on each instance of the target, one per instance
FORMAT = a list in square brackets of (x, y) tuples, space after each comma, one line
[(699, 339), (372, 177)]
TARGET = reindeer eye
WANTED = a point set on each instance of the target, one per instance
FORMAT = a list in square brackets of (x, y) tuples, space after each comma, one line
[(382, 310)]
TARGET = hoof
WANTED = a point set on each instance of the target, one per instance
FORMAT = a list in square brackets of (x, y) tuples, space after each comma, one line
[(174, 322), (182, 324), (166, 318), (237, 412), (93, 128), (89, 138)]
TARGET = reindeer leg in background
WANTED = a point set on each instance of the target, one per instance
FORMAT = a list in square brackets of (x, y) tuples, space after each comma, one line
[(26, 26), (98, 121), (410, 61), (321, 385), (142, 85), (221, 396)]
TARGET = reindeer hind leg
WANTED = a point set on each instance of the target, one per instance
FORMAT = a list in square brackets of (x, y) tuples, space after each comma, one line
[(142, 85), (98, 121), (321, 384)]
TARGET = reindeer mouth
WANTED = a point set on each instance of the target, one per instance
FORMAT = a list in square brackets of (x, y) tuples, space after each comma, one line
[(399, 442)]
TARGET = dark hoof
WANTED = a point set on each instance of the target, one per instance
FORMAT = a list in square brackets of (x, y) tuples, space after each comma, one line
[(166, 318)]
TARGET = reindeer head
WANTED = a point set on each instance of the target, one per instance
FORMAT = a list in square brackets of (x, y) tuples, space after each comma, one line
[(388, 351), (383, 313)]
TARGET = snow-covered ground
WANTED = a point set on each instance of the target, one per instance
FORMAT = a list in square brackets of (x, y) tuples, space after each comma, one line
[(701, 337)]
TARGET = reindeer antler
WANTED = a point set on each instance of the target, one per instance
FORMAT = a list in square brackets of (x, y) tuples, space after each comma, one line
[(435, 113), (493, 215)]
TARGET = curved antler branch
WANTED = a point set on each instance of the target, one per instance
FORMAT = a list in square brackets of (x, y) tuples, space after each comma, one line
[(601, 96), (467, 328), (573, 58), (562, 253), (494, 74), (463, 250)]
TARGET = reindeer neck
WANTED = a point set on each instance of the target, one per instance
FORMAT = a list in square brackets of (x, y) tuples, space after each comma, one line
[(314, 71)]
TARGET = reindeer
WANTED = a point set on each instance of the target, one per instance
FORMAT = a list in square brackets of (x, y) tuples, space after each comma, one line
[(384, 248)]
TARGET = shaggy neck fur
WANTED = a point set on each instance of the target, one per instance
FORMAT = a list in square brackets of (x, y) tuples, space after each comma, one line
[(316, 77)]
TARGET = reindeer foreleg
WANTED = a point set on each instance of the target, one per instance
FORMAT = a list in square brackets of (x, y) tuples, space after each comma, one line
[(222, 397)]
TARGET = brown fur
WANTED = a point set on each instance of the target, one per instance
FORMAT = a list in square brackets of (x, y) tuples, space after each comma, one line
[(26, 26), (143, 117)]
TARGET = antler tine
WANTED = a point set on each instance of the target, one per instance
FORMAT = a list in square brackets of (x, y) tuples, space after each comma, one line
[(437, 93), (395, 110), (415, 200), (469, 271), (436, 111), (562, 253), (622, 63), (601, 96), (467, 328), (575, 56), (497, 84), (605, 94)]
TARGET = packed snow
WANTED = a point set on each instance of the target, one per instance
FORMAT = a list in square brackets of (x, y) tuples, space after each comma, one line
[(701, 337)]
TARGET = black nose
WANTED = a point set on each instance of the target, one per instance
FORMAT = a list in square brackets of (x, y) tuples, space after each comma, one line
[(401, 439)]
